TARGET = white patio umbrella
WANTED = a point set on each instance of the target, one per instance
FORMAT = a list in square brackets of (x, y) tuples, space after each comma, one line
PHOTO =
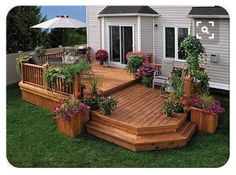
[(60, 22)]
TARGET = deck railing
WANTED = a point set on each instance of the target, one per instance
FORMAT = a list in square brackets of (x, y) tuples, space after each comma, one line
[(45, 57), (34, 75)]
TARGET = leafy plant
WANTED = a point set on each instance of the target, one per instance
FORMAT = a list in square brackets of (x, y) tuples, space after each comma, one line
[(68, 71), (177, 85), (147, 81), (67, 108), (40, 50), (202, 81), (19, 59), (94, 84), (174, 105), (93, 99), (194, 51), (134, 63), (207, 103), (101, 56), (135, 54), (145, 70), (108, 105)]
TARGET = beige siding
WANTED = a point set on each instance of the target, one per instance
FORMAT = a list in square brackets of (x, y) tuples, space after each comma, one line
[(147, 34), (219, 72), (93, 27)]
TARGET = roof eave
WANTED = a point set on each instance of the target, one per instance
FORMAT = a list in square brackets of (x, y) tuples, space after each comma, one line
[(208, 16), (128, 14)]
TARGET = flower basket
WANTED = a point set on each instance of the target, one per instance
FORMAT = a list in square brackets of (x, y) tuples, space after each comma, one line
[(74, 126), (206, 122)]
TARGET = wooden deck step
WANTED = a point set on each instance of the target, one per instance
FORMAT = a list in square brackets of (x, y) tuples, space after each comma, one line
[(144, 142)]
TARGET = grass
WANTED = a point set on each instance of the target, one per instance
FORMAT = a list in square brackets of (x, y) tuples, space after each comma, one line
[(32, 141)]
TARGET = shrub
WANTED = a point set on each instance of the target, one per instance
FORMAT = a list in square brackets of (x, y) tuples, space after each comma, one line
[(101, 56), (207, 103), (134, 63), (108, 105), (67, 108)]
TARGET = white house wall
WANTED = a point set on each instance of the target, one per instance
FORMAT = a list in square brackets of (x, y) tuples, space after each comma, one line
[(147, 34)]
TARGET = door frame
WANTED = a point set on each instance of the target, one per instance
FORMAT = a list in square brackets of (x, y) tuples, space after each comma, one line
[(112, 63)]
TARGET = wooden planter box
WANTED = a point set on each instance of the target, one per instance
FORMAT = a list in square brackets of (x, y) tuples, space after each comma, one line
[(205, 121), (73, 127), (189, 87)]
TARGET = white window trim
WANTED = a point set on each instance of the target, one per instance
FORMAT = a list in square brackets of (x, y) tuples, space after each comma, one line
[(176, 41)]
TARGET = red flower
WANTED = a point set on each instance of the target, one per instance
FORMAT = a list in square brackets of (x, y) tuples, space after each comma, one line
[(94, 97), (181, 98), (184, 102), (176, 102), (78, 95)]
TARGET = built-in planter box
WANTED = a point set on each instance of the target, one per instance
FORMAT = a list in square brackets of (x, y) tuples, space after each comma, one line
[(205, 121), (74, 126)]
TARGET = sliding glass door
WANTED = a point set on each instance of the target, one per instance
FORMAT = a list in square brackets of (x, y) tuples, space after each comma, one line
[(121, 42)]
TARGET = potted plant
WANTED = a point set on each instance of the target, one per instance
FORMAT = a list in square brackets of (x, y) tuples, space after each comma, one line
[(145, 73), (101, 56), (108, 105), (133, 64), (194, 51), (175, 105), (93, 99), (71, 115), (204, 112), (40, 51)]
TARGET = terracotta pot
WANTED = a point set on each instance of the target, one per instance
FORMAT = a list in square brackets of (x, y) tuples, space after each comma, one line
[(74, 126), (206, 122)]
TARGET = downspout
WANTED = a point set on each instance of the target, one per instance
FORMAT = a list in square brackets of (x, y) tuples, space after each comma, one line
[(139, 33), (153, 41)]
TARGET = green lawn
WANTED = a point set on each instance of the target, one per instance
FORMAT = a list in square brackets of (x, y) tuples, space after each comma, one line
[(32, 141)]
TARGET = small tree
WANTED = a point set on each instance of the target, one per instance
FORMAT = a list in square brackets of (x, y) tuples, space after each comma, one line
[(194, 51)]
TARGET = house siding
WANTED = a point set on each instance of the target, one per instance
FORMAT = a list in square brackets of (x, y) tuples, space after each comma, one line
[(94, 27), (219, 72), (147, 34)]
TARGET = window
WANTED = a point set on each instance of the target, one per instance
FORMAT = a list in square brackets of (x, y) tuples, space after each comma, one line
[(173, 38), (170, 42)]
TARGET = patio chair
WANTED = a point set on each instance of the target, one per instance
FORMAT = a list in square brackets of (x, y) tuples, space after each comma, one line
[(162, 74)]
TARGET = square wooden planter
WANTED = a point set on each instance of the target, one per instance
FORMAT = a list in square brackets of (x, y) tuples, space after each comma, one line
[(74, 126), (205, 121)]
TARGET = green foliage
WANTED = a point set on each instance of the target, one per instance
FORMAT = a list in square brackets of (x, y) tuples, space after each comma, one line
[(67, 70), (206, 98), (202, 81), (40, 50), (93, 84), (147, 81), (19, 59), (193, 49), (177, 85), (19, 34), (134, 63), (169, 108), (108, 105)]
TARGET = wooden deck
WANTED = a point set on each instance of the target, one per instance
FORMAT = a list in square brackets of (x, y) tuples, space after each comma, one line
[(135, 124), (112, 79)]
